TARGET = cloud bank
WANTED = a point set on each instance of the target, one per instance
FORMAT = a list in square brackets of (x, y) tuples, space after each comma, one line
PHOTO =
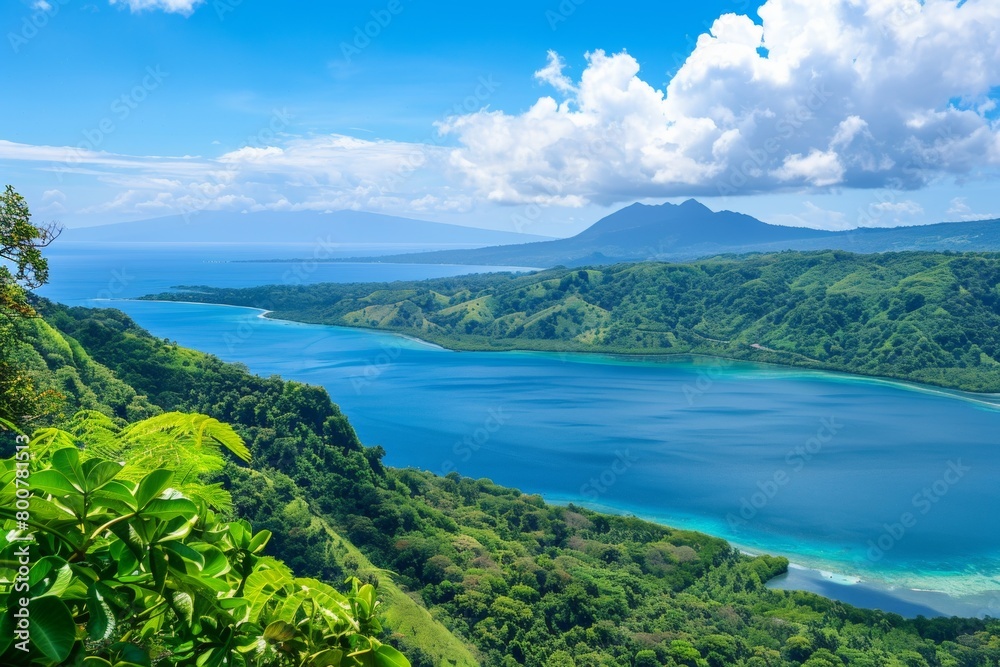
[(843, 93)]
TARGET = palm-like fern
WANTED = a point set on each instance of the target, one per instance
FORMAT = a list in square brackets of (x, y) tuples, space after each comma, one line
[(190, 444)]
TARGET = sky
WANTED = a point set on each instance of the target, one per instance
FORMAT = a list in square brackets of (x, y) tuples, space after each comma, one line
[(534, 116)]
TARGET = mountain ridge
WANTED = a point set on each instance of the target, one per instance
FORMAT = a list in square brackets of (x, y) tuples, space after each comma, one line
[(303, 227), (688, 231)]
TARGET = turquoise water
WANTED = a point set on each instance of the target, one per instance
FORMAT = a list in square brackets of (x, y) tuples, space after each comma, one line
[(869, 480)]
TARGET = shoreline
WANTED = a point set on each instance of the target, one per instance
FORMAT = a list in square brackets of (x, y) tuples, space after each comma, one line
[(980, 398), (828, 580)]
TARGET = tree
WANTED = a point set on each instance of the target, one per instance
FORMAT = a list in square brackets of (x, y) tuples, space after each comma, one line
[(22, 267), (21, 244)]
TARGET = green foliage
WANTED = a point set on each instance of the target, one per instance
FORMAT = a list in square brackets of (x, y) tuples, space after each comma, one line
[(132, 565), (927, 317)]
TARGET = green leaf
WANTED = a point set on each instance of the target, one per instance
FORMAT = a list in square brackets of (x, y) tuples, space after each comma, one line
[(279, 632), (387, 656), (328, 658), (57, 581), (261, 587), (54, 483), (185, 555), (168, 509), (6, 630), (152, 485), (98, 473), (118, 492), (259, 541), (67, 461), (184, 607), (9, 426), (102, 621), (216, 562), (158, 568), (130, 653), (52, 629)]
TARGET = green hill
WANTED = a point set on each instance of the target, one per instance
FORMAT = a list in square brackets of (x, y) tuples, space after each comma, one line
[(926, 317)]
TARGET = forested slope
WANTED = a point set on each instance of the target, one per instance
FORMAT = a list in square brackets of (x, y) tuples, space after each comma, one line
[(926, 317), (516, 580)]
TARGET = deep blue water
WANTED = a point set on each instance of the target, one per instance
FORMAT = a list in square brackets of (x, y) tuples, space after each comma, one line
[(886, 482)]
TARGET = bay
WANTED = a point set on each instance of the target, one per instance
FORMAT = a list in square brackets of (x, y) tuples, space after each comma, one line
[(889, 489)]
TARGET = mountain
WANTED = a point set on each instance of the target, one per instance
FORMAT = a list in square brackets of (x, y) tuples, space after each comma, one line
[(691, 230), (299, 227)]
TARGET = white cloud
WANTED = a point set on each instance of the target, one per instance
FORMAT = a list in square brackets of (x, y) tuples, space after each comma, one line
[(962, 212), (185, 7), (41, 5), (819, 168), (320, 173), (849, 93), (902, 208), (552, 74)]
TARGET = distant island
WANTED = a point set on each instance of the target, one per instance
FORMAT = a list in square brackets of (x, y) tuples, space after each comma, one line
[(932, 318), (682, 232), (334, 228)]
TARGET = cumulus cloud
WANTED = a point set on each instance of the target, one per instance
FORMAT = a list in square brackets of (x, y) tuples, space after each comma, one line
[(330, 172), (185, 7), (847, 93), (962, 212)]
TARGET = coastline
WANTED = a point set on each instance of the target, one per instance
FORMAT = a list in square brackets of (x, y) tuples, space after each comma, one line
[(987, 399), (980, 398), (832, 580), (816, 574)]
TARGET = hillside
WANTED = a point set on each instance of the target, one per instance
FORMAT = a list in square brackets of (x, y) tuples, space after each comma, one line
[(293, 227), (515, 580), (690, 231), (926, 317)]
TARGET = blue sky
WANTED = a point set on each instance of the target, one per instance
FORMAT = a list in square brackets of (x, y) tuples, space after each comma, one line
[(130, 109)]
